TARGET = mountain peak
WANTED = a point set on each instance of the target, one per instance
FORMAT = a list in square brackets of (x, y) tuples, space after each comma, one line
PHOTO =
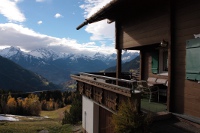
[(10, 51), (14, 48), (44, 53)]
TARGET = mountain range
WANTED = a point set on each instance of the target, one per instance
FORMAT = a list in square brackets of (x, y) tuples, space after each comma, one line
[(16, 78), (57, 67), (127, 66)]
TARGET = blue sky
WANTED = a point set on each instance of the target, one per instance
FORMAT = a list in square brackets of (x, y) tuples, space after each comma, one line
[(33, 24)]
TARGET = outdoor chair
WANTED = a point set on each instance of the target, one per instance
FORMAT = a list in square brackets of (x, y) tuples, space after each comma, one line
[(161, 81), (150, 91), (151, 80), (162, 87)]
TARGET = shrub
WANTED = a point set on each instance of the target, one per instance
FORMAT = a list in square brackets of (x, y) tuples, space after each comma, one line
[(75, 113), (67, 118), (129, 120)]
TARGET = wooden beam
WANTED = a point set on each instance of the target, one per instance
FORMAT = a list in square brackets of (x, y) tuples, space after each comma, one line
[(118, 71), (142, 67), (119, 51), (171, 53)]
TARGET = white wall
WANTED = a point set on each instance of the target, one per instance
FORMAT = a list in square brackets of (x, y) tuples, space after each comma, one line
[(90, 115)]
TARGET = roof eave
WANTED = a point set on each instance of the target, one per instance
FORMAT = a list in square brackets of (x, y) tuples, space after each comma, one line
[(100, 15)]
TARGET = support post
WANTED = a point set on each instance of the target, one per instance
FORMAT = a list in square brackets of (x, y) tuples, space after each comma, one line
[(171, 53), (119, 50), (118, 68)]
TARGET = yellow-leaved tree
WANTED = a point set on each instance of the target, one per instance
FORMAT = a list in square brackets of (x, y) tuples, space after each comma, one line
[(11, 105), (31, 105)]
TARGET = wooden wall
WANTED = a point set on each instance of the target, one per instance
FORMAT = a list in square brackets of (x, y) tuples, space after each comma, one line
[(144, 27), (105, 118), (186, 94), (151, 26)]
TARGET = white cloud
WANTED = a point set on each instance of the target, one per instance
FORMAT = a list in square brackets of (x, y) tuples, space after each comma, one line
[(17, 0), (40, 0), (27, 39), (43, 1), (92, 6), (10, 10), (57, 15), (39, 22), (99, 30)]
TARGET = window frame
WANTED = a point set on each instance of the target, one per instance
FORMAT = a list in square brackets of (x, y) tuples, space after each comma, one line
[(162, 53), (157, 65)]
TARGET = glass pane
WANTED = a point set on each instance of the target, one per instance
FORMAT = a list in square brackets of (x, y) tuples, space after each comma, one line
[(165, 61), (154, 64)]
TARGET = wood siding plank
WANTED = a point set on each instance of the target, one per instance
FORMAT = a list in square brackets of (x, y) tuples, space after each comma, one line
[(150, 30), (185, 92)]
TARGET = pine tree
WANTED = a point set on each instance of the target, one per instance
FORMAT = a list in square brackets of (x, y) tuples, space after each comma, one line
[(75, 114)]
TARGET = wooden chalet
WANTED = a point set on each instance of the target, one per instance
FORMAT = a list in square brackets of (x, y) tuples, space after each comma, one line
[(166, 32)]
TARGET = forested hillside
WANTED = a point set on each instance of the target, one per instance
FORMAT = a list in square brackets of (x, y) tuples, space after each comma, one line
[(14, 77)]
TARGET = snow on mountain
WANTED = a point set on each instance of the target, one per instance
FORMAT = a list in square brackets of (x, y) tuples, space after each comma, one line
[(8, 52), (45, 54), (49, 54), (100, 56), (126, 56)]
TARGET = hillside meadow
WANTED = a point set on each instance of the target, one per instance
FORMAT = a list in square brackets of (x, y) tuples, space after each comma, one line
[(47, 122)]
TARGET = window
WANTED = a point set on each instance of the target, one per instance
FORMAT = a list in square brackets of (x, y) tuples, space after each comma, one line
[(192, 59), (160, 62), (163, 61), (154, 63)]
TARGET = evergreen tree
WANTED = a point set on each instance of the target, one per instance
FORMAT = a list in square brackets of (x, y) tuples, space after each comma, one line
[(75, 114)]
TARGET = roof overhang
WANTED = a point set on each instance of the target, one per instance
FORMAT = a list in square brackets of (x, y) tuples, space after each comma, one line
[(103, 13), (116, 8)]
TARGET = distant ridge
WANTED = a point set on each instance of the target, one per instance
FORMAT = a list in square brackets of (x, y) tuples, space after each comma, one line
[(14, 77), (127, 66), (57, 67)]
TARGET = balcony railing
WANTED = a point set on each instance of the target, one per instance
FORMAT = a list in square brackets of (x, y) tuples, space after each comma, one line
[(122, 86), (106, 90)]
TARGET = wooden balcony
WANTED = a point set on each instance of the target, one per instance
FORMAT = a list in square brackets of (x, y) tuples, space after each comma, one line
[(106, 90)]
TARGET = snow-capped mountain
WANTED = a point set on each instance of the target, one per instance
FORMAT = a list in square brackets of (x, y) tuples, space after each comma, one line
[(9, 52), (44, 54), (57, 67)]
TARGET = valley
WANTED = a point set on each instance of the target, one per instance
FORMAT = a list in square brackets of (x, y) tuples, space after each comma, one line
[(57, 67)]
